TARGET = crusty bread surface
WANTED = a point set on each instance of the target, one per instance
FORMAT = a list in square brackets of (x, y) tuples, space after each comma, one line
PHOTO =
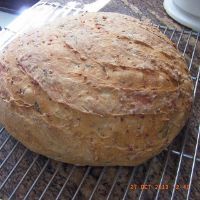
[(94, 89)]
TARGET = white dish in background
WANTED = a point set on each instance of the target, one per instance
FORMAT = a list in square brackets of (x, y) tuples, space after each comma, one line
[(186, 12)]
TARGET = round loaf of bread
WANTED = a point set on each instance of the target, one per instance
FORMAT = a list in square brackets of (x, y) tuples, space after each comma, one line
[(94, 89)]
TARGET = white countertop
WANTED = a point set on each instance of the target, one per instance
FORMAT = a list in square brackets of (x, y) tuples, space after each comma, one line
[(6, 18)]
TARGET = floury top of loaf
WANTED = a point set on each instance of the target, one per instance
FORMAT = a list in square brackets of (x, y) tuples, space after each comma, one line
[(94, 89)]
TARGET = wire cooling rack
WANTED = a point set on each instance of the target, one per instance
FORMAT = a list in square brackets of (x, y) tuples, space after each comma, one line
[(171, 175)]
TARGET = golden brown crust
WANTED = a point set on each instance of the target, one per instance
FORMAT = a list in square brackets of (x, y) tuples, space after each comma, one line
[(96, 89)]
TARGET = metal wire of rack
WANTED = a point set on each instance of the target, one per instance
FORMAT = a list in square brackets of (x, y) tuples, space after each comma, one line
[(171, 175)]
